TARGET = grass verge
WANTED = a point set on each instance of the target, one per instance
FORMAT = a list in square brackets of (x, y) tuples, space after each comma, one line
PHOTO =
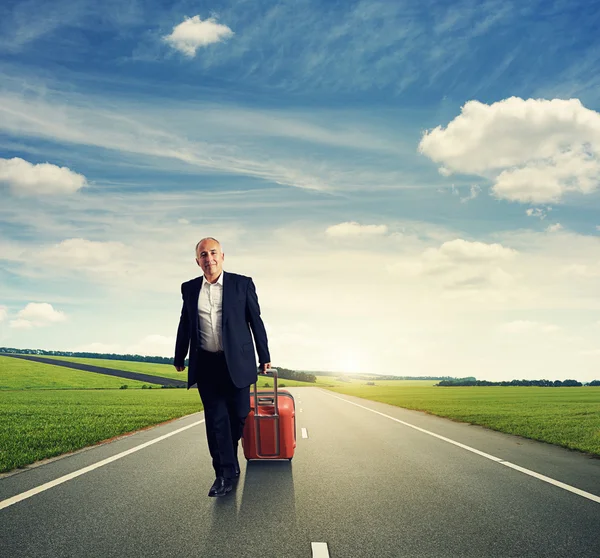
[(567, 417), (36, 425)]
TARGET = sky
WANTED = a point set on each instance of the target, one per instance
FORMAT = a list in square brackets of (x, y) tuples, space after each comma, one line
[(413, 186)]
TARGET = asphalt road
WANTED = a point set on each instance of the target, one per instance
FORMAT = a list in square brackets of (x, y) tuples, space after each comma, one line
[(102, 370), (363, 483)]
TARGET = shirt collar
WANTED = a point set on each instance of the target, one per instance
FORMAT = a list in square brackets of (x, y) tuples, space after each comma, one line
[(219, 281)]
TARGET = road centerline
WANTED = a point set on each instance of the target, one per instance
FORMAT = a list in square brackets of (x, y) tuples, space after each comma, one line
[(564, 486), (319, 550)]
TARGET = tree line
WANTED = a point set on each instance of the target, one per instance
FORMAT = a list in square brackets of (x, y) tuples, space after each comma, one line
[(540, 383)]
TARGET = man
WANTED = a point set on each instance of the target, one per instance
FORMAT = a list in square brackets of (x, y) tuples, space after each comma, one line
[(220, 310)]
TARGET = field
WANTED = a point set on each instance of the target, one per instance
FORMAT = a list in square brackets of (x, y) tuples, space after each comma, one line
[(36, 425), (25, 374), (568, 417), (48, 410)]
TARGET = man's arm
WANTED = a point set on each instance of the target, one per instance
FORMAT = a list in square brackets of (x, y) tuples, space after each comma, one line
[(258, 328), (182, 343)]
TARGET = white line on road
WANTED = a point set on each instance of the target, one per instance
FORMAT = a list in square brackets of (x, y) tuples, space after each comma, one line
[(319, 550), (549, 480), (304, 433), (65, 478)]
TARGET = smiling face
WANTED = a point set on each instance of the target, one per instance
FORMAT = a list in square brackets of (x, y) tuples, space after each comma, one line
[(210, 258)]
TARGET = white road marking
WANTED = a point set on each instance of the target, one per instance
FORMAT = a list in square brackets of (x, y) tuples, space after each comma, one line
[(319, 550), (304, 433), (549, 480), (300, 410), (65, 478)]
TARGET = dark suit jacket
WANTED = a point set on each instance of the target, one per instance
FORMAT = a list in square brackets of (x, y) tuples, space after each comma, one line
[(240, 315)]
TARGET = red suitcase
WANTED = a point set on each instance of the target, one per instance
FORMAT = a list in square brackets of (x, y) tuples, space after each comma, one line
[(270, 428)]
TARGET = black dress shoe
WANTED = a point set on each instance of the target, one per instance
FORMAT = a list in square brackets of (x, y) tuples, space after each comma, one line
[(220, 487), (237, 470)]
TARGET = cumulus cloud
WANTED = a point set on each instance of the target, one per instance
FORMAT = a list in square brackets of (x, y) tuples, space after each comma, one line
[(25, 178), (460, 250), (80, 251), (534, 150), (37, 314), (353, 229), (538, 212), (193, 33), (554, 228), (460, 266), (153, 345)]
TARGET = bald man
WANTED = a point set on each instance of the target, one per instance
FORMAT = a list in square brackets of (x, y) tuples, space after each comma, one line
[(219, 318)]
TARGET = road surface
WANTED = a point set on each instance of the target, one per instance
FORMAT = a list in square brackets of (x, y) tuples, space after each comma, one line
[(367, 480)]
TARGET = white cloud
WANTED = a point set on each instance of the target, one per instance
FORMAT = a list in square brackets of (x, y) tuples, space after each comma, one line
[(534, 150), (37, 314), (193, 33), (474, 192), (537, 212), (26, 178), (153, 345), (79, 252), (352, 229), (461, 268), (101, 259), (3, 313), (468, 251), (554, 228)]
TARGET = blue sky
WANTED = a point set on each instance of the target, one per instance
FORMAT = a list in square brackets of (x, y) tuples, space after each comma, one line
[(413, 186)]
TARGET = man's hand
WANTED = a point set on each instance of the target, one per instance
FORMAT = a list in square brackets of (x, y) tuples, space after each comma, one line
[(180, 368), (264, 367)]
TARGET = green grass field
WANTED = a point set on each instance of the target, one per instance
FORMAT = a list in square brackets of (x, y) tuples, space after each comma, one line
[(25, 374), (36, 425), (568, 417), (44, 411)]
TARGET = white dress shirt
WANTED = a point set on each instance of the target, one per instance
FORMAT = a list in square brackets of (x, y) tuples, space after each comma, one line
[(210, 314)]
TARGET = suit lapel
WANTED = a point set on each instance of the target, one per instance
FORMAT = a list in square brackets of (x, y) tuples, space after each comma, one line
[(227, 292), (195, 293)]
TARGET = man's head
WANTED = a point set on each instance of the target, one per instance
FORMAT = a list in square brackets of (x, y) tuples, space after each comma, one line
[(209, 257)]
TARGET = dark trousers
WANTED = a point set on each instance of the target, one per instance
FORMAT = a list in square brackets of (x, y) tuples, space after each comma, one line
[(225, 410)]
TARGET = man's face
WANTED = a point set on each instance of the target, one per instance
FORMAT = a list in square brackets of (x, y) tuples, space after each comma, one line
[(210, 258)]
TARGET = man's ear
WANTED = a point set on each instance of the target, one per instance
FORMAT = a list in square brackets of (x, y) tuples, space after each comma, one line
[(198, 262)]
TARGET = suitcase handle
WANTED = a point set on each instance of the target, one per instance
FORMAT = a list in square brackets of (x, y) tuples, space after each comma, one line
[(275, 416)]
